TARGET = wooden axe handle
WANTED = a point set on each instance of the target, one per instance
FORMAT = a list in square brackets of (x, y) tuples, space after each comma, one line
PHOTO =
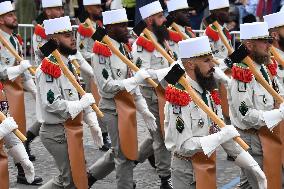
[(192, 94), (13, 52), (72, 79), (223, 37), (17, 132), (132, 66), (76, 64), (277, 56), (261, 80)]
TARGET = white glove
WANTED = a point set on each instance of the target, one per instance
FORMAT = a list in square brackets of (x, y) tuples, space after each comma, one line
[(92, 121), (7, 126), (20, 155), (138, 79), (148, 117), (273, 117), (220, 75), (75, 107), (14, 71), (246, 161), (211, 142), (30, 86)]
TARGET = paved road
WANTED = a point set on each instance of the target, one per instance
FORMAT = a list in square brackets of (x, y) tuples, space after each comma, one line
[(144, 174)]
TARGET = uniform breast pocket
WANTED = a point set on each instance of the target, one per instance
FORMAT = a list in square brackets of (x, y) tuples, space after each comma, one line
[(157, 61), (70, 94), (262, 99)]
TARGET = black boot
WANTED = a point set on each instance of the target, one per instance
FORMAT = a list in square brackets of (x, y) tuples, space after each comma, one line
[(166, 182), (30, 138), (151, 160), (107, 143), (91, 180), (21, 179)]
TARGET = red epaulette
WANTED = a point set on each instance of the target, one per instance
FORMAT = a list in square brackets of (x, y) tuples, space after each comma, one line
[(101, 49), (241, 72), (175, 36), (177, 96), (212, 33), (272, 67), (50, 68), (145, 43), (40, 31), (85, 30), (128, 47), (20, 39), (215, 96)]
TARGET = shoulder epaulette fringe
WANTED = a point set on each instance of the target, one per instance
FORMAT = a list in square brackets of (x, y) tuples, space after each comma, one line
[(241, 72), (50, 68), (212, 33), (272, 67), (85, 30), (145, 43), (101, 49), (177, 96), (40, 31), (175, 36)]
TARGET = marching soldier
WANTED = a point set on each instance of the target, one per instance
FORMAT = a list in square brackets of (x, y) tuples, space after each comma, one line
[(114, 78), (220, 10), (59, 107), (252, 108), (14, 74), (85, 46), (189, 132), (275, 26), (51, 9), (179, 12), (146, 57)]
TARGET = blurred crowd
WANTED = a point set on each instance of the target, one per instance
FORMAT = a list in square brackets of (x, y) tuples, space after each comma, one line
[(241, 11)]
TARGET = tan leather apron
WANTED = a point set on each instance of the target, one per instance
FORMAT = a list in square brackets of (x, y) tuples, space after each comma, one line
[(74, 134), (15, 96), (160, 91), (271, 146), (127, 124), (4, 174), (95, 92), (204, 170), (224, 97)]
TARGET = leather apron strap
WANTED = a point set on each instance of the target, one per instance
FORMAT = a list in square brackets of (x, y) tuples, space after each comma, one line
[(271, 146), (74, 134), (204, 170), (127, 124), (15, 96)]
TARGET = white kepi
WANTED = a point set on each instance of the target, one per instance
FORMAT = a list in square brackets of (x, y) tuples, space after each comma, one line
[(150, 9), (57, 25), (194, 47), (6, 7)]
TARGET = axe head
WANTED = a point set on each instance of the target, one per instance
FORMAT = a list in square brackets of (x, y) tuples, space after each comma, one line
[(83, 17), (209, 20), (49, 47), (138, 29), (239, 54), (169, 21), (174, 74), (99, 34)]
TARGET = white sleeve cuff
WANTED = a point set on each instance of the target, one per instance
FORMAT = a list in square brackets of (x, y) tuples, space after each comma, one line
[(272, 118), (74, 108), (13, 72)]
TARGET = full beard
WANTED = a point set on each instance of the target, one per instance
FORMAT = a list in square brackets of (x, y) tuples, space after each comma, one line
[(206, 83), (11, 26), (122, 37), (260, 59), (63, 49), (161, 33)]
